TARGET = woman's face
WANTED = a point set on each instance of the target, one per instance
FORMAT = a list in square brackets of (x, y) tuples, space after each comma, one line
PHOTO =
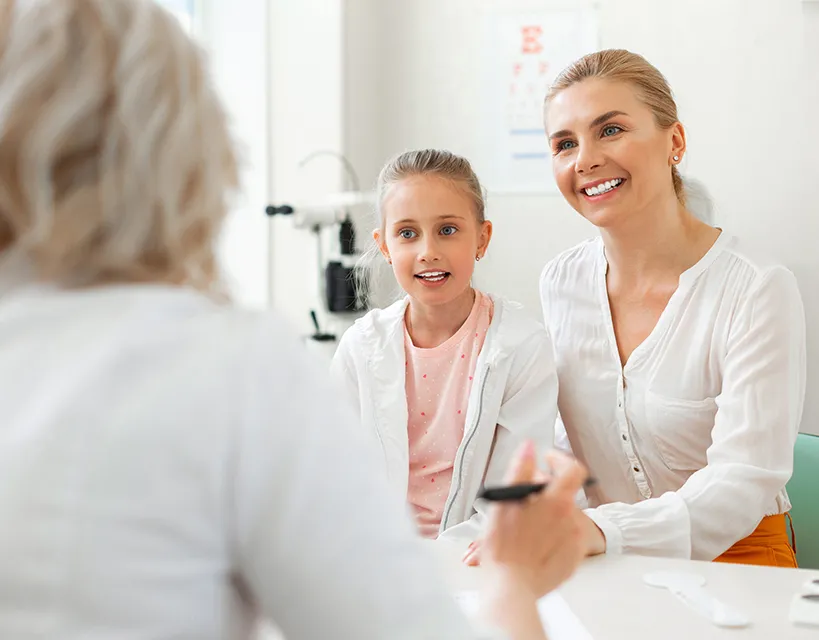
[(610, 158)]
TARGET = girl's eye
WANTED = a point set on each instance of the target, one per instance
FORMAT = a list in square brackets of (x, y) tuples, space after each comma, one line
[(448, 230), (611, 130), (407, 234)]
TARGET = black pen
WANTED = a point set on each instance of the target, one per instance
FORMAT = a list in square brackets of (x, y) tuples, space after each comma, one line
[(515, 492)]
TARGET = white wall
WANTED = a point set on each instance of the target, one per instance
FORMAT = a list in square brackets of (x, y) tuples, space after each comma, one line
[(235, 36), (306, 67), (747, 85)]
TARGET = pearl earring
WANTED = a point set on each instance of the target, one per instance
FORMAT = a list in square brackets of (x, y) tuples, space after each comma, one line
[(477, 258), (676, 158)]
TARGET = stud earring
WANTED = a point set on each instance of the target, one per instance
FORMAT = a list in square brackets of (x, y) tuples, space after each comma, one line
[(676, 158), (477, 258)]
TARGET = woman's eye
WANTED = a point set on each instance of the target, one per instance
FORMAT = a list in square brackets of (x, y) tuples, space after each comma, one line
[(611, 130), (566, 145), (407, 234), (448, 230)]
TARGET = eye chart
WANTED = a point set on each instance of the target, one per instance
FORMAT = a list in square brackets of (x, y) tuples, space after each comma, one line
[(525, 52)]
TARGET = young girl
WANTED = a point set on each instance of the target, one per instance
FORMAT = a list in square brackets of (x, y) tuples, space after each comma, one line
[(449, 379)]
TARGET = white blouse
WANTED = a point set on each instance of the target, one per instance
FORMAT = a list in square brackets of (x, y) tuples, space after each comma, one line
[(692, 440), (171, 468)]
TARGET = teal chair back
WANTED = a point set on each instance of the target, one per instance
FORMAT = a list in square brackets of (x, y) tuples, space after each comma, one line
[(803, 490)]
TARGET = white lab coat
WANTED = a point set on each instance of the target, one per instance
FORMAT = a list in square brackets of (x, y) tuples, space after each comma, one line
[(513, 398), (161, 455)]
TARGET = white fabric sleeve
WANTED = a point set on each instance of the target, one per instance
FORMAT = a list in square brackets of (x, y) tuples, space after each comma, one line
[(750, 459), (319, 540), (563, 445), (344, 372), (527, 412)]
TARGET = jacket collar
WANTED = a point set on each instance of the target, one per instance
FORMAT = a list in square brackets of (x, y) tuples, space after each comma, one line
[(383, 330)]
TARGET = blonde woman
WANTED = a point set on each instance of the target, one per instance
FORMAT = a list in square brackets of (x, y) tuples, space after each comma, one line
[(171, 467), (680, 353)]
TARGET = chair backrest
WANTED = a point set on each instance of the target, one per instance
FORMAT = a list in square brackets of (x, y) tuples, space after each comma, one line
[(803, 490)]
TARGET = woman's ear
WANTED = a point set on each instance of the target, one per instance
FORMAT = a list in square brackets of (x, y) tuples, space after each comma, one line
[(677, 143)]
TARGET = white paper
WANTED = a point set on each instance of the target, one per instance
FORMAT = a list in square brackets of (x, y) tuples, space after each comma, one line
[(559, 621), (524, 53)]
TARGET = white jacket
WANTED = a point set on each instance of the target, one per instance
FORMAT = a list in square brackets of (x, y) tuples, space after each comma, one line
[(162, 456), (513, 398)]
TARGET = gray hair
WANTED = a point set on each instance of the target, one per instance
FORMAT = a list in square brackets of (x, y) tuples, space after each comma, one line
[(117, 163)]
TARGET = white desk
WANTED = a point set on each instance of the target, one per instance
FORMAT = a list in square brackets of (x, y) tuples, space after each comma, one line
[(608, 595)]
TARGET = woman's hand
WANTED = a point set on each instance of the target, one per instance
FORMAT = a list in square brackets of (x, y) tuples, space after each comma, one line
[(538, 542), (593, 538)]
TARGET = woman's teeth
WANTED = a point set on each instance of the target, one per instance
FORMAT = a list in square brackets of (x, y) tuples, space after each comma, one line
[(433, 276), (604, 188)]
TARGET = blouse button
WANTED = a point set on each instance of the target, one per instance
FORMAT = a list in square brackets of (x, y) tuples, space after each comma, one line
[(637, 469), (625, 438)]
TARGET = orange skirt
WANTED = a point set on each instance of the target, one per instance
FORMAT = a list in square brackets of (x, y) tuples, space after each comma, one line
[(768, 545)]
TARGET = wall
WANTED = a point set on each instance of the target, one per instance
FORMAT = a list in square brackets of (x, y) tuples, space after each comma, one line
[(746, 73), (235, 36)]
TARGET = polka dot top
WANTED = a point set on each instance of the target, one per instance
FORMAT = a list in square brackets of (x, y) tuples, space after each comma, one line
[(438, 384)]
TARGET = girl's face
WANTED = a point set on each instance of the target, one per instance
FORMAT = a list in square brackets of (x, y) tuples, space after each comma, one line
[(432, 237), (610, 158)]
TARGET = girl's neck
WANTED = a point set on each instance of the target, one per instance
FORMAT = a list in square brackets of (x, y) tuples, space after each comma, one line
[(431, 326)]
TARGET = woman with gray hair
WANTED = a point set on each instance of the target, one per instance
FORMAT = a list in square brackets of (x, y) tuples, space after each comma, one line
[(170, 466)]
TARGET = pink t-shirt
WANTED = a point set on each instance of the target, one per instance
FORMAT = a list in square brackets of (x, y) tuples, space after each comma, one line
[(438, 384)]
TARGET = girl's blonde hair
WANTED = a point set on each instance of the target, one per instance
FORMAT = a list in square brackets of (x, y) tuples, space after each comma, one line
[(431, 162), (116, 162), (619, 65), (421, 162)]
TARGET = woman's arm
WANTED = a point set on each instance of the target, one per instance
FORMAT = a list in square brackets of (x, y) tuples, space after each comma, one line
[(323, 545)]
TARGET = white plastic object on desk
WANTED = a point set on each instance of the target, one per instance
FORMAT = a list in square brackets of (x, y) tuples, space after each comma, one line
[(688, 587), (805, 609), (811, 587)]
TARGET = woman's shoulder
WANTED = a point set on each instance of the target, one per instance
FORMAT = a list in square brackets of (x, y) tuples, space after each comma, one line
[(746, 275), (749, 264), (572, 264)]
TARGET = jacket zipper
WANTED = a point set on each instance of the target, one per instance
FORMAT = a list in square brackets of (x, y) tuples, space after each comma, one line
[(460, 461)]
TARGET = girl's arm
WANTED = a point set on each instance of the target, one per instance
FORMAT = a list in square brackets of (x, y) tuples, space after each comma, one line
[(344, 371), (528, 413)]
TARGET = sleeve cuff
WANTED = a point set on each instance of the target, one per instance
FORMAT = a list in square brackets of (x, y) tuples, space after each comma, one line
[(612, 533)]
